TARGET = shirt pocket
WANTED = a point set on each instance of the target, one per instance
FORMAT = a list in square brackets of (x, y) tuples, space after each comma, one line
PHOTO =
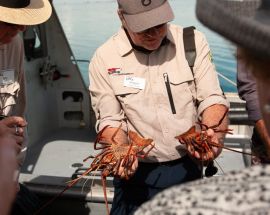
[(8, 97), (122, 93), (183, 94), (131, 99)]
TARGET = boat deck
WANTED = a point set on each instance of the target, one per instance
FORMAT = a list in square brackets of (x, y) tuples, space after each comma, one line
[(54, 161)]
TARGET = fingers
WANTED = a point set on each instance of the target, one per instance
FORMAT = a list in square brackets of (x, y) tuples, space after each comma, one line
[(18, 131), (10, 143), (203, 155), (18, 148), (127, 168), (210, 132), (13, 137), (11, 121)]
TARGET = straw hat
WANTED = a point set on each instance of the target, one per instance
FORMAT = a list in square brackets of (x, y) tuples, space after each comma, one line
[(244, 22), (143, 14), (25, 12)]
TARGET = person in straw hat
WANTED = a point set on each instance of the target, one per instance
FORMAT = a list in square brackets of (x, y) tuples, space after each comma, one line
[(140, 80), (247, 24), (15, 15)]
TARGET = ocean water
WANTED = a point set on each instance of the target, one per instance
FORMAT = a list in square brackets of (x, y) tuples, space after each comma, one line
[(89, 23)]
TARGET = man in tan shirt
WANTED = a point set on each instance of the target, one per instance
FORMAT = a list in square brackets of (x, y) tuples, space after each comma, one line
[(140, 79)]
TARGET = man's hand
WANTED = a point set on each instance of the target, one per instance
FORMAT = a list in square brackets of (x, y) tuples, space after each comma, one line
[(128, 165), (211, 153), (12, 128), (212, 116), (116, 135)]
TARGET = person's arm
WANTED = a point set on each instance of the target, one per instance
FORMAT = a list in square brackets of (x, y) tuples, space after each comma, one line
[(211, 117), (247, 90), (262, 131), (107, 109), (212, 103), (8, 165), (10, 145)]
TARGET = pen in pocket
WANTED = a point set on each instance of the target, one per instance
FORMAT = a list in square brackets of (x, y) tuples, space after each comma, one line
[(168, 87)]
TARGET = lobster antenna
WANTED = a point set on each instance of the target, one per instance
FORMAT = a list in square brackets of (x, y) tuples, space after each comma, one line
[(220, 121), (219, 167)]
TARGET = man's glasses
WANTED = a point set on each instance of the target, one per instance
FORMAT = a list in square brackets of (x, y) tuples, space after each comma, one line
[(157, 27)]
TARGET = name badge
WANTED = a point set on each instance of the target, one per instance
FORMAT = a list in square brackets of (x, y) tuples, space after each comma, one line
[(7, 76), (134, 82)]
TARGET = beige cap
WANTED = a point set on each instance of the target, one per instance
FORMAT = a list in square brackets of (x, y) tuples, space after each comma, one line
[(25, 12), (143, 14)]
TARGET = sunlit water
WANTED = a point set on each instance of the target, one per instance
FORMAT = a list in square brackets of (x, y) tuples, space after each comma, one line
[(89, 23)]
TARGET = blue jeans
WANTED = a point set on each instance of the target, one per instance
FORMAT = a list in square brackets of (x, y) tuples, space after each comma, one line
[(150, 179)]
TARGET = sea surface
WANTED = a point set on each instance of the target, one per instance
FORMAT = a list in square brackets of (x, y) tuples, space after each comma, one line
[(89, 23)]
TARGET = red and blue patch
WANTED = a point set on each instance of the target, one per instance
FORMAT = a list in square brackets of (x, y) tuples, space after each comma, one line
[(112, 71)]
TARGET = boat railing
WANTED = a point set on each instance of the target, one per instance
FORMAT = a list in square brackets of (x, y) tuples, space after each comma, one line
[(227, 79)]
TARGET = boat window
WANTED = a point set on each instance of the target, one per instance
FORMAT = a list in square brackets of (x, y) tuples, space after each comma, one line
[(35, 44), (73, 96)]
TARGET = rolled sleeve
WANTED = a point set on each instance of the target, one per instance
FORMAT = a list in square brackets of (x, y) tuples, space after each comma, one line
[(206, 79), (105, 105), (214, 99)]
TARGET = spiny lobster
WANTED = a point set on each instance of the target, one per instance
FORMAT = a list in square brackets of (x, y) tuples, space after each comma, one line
[(199, 141), (113, 156)]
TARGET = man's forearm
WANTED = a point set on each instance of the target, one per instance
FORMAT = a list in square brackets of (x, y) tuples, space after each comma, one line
[(213, 115)]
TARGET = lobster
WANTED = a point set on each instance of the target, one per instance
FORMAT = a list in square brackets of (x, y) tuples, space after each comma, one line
[(200, 141), (113, 156)]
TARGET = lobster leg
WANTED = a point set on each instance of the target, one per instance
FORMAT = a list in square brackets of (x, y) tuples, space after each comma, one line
[(103, 145), (115, 133), (99, 156), (147, 152), (225, 147), (107, 171)]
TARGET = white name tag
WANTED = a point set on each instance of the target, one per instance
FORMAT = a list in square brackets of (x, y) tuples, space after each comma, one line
[(7, 76), (134, 82)]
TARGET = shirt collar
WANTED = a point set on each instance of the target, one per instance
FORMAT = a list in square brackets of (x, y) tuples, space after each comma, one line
[(123, 43), (169, 35)]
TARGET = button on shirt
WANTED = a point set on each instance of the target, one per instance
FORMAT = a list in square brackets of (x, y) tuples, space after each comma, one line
[(148, 110)]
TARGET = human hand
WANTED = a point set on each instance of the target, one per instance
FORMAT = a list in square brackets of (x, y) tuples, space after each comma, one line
[(112, 134), (205, 152), (127, 167), (12, 128), (129, 164)]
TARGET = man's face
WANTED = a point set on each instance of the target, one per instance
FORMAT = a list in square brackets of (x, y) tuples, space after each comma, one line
[(8, 31), (149, 39)]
